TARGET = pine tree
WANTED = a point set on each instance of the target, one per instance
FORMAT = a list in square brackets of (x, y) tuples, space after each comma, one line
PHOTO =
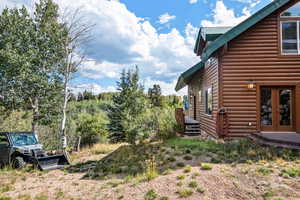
[(116, 111), (155, 95), (80, 97), (126, 113), (88, 95)]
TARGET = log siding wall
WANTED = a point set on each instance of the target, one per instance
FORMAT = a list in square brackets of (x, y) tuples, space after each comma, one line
[(255, 55), (204, 79)]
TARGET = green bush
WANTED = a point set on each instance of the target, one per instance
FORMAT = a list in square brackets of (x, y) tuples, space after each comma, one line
[(200, 190), (5, 198), (161, 120), (187, 169), (92, 128), (180, 177), (206, 166), (193, 184), (184, 193), (265, 171), (291, 172), (180, 164), (188, 157), (150, 195), (164, 198)]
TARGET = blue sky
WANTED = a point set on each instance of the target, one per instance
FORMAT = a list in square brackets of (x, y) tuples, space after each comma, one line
[(156, 35)]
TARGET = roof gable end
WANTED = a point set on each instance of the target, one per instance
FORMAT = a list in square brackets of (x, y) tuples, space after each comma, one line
[(242, 27)]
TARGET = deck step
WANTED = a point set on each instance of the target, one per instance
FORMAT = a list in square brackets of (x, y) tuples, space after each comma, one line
[(192, 133), (192, 123), (192, 129)]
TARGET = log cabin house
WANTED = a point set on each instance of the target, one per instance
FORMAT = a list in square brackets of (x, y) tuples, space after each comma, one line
[(248, 79)]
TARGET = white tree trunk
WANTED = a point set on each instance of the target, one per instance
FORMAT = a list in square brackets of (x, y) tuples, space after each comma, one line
[(34, 124), (63, 123), (64, 111)]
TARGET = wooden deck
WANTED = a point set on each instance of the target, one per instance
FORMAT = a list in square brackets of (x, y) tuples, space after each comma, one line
[(283, 139)]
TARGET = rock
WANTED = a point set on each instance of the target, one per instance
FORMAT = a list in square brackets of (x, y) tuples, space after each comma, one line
[(213, 155), (263, 183), (206, 159), (281, 186)]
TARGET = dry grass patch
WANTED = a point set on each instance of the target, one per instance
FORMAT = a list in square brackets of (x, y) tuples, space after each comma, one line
[(105, 148)]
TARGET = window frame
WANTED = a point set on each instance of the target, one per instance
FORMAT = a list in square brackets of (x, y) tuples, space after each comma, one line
[(200, 96), (206, 101), (283, 19), (298, 35)]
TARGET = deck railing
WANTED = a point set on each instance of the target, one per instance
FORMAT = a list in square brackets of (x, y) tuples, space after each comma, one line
[(179, 115)]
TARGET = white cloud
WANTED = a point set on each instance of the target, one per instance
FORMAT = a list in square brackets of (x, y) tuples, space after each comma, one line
[(252, 3), (193, 1), (121, 39), (92, 87), (223, 16), (166, 87), (165, 18), (93, 70)]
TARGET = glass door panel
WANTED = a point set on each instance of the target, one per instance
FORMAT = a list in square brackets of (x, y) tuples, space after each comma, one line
[(277, 108), (285, 107), (266, 107)]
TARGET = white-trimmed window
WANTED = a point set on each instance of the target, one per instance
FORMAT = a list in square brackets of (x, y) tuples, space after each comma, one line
[(208, 101), (290, 37), (290, 30), (200, 96)]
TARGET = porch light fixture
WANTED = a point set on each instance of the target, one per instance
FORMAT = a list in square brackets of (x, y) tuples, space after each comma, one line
[(250, 84)]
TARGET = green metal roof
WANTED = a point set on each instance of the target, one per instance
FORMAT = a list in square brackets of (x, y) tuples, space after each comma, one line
[(186, 76), (205, 31), (209, 34), (227, 37)]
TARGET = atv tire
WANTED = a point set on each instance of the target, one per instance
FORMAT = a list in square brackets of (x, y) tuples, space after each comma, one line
[(18, 163)]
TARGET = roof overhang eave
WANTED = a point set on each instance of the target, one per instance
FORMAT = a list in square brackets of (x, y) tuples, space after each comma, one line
[(187, 76), (180, 83)]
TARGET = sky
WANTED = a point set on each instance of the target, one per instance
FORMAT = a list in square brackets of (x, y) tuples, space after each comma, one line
[(156, 35)]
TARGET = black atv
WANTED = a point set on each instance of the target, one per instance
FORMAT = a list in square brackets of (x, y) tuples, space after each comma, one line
[(19, 148)]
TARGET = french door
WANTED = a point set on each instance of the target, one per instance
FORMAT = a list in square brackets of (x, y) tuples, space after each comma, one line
[(277, 109)]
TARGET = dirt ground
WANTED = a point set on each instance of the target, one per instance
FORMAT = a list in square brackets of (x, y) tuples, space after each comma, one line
[(223, 181)]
